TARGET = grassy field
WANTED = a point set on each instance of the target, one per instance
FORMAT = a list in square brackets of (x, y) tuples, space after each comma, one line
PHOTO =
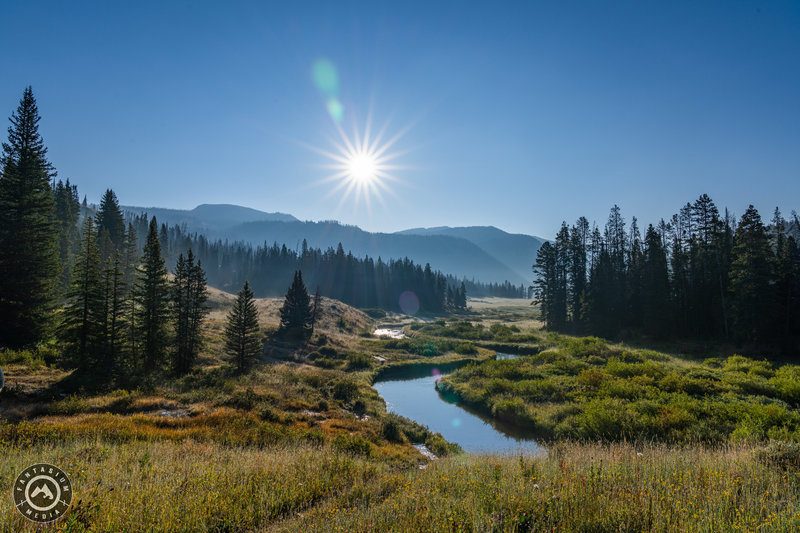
[(302, 442)]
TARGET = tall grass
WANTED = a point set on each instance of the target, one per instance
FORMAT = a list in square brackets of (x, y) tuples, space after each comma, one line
[(206, 486)]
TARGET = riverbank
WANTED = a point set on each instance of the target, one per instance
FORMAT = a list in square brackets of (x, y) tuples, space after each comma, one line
[(586, 388)]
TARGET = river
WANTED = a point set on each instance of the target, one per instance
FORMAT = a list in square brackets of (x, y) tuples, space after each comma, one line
[(413, 395)]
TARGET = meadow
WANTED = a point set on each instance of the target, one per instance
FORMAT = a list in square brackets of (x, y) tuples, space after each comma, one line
[(303, 442)]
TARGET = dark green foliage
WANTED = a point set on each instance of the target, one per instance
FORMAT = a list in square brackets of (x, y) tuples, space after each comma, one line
[(189, 295), (751, 276), (82, 326), (68, 210), (242, 340), (152, 296), (112, 314), (346, 391), (111, 223), (296, 312), (29, 269), (697, 276)]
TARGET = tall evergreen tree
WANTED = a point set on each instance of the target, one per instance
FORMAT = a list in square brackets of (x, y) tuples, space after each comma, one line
[(113, 306), (296, 309), (67, 212), (751, 271), (152, 294), (189, 295), (130, 262), (29, 267), (241, 332), (655, 285), (109, 219), (82, 327)]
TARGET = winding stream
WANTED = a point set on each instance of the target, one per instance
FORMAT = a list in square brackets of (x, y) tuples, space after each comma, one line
[(412, 393)]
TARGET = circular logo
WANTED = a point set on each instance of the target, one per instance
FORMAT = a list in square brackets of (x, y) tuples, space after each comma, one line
[(42, 493)]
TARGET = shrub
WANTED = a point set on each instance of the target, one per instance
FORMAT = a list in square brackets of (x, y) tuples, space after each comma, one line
[(328, 351), (352, 444), (246, 399), (345, 390), (391, 430), (357, 360), (268, 414), (465, 348)]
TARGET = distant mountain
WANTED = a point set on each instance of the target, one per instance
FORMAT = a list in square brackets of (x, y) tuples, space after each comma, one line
[(211, 219), (515, 250), (451, 255), (484, 253)]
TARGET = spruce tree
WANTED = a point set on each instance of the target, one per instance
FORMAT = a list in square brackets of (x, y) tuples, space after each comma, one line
[(189, 295), (152, 294), (112, 313), (751, 271), (68, 210), (82, 327), (130, 262), (296, 310), (29, 266), (241, 332), (109, 219)]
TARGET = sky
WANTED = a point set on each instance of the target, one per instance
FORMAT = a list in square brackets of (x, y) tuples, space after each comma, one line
[(512, 114)]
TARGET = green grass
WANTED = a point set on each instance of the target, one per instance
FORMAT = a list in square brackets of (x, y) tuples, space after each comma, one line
[(176, 486), (585, 388)]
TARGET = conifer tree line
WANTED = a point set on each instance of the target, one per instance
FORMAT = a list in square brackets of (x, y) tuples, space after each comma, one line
[(702, 274), (360, 282)]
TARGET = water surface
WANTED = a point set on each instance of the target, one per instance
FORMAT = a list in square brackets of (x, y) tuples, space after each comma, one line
[(416, 397)]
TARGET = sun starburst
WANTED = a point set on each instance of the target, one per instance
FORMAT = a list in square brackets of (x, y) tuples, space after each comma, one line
[(363, 165)]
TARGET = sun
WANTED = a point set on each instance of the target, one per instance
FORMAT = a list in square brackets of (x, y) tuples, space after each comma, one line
[(362, 167)]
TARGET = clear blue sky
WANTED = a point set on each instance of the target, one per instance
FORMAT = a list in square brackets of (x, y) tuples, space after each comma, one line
[(521, 114)]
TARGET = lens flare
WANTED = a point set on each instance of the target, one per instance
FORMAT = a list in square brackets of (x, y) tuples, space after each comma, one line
[(409, 303)]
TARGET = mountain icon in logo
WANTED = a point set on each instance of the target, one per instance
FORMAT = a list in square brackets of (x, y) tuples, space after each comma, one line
[(43, 489)]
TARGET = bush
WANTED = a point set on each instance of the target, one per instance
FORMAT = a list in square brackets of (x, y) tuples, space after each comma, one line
[(268, 414), (345, 390), (328, 351), (357, 360), (391, 430), (246, 399), (465, 348), (352, 444)]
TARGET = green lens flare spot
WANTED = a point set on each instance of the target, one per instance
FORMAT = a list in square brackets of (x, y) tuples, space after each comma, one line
[(325, 77)]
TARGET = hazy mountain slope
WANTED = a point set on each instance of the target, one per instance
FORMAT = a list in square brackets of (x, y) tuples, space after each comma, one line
[(517, 251), (211, 219), (450, 254)]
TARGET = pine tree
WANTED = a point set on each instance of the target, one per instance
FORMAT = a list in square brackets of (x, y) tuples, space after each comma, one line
[(655, 285), (241, 332), (113, 307), (296, 310), (109, 219), (152, 294), (29, 268), (130, 262), (81, 327), (68, 210), (751, 271), (189, 294)]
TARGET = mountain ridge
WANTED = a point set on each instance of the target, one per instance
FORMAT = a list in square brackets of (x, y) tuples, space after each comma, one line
[(484, 253)]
